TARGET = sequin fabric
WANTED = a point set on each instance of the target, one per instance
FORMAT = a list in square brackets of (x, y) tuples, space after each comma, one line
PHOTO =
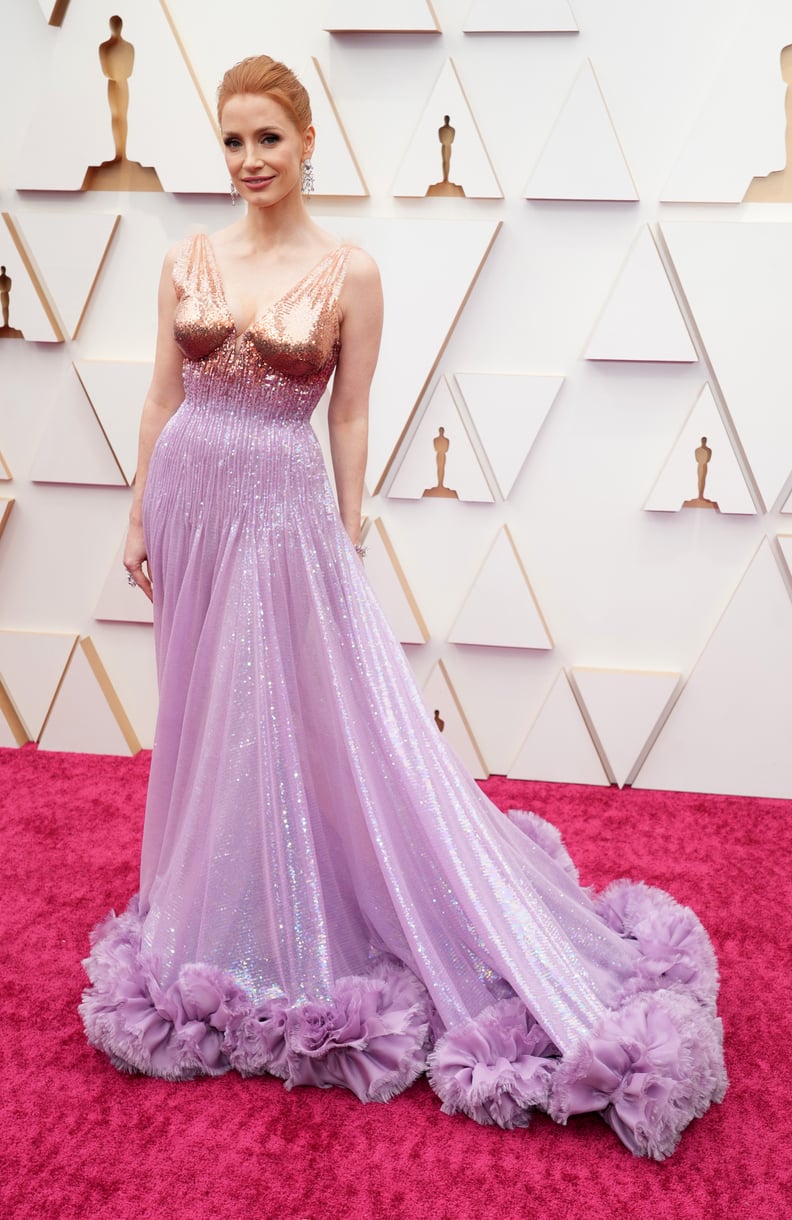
[(306, 822)]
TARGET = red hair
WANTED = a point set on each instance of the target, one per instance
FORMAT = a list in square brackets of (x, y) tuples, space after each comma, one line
[(263, 75)]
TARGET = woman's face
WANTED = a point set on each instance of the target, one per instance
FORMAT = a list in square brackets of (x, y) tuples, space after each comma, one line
[(264, 149)]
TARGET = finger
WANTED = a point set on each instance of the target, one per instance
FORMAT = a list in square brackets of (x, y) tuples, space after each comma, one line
[(137, 578), (144, 583)]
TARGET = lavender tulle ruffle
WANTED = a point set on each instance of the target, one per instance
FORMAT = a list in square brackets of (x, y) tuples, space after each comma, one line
[(649, 1067), (675, 948), (370, 1037), (496, 1068)]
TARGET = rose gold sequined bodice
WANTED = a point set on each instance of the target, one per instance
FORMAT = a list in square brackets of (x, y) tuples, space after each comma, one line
[(292, 346), (240, 451)]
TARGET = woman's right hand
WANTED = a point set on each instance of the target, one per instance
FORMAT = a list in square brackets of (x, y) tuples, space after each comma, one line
[(134, 558)]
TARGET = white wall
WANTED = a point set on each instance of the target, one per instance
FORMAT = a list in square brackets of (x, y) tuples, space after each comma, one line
[(696, 103)]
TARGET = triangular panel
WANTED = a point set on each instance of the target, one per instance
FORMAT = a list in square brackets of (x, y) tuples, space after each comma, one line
[(160, 88), (520, 17), (445, 259), (29, 313), (507, 411), (116, 391), (739, 131), (443, 703), (729, 730), (381, 17), (336, 169), (439, 461), (678, 486), (642, 319), (787, 505), (87, 717), (387, 579), (582, 158), (500, 610), (558, 747), (73, 447), (31, 667), (625, 710), (469, 171), (735, 278), (118, 601), (68, 249)]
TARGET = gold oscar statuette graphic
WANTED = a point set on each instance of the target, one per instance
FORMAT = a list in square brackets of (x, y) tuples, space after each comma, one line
[(117, 60), (439, 720), (441, 445), (703, 456), (446, 137), (777, 187), (7, 331)]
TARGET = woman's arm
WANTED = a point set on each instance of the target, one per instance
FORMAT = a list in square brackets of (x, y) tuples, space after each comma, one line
[(164, 396), (361, 327)]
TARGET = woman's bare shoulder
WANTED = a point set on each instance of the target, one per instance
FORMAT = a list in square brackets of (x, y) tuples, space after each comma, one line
[(360, 265), (179, 250), (362, 270)]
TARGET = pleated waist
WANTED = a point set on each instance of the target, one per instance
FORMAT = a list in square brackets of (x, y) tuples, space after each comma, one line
[(215, 458)]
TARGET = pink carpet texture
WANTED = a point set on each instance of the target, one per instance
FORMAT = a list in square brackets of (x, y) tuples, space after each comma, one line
[(81, 1140)]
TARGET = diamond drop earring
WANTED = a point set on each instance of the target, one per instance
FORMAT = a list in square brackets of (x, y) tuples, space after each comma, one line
[(308, 184), (234, 195)]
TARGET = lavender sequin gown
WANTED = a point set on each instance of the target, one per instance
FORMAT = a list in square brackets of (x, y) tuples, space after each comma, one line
[(325, 894)]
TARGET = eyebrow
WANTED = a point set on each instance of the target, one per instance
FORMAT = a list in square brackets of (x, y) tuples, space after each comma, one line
[(259, 132)]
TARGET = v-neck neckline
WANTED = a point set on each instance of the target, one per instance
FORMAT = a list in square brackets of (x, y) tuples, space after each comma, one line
[(239, 335)]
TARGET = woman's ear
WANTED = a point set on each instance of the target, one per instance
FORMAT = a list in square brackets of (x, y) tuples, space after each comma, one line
[(309, 139)]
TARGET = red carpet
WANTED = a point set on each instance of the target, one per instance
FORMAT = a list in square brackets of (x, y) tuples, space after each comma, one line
[(80, 1140)]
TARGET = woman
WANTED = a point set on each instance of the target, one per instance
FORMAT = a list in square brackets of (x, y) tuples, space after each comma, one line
[(325, 894)]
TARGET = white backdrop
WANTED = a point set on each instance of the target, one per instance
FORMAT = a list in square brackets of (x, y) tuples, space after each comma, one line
[(655, 641)]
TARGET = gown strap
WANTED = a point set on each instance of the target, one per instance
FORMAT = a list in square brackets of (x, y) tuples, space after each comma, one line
[(184, 253), (330, 273), (194, 271)]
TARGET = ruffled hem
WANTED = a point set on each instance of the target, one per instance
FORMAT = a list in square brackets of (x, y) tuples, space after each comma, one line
[(496, 1068), (370, 1036), (675, 950), (649, 1067)]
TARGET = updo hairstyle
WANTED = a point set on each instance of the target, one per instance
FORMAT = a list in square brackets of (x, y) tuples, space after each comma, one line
[(263, 75)]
